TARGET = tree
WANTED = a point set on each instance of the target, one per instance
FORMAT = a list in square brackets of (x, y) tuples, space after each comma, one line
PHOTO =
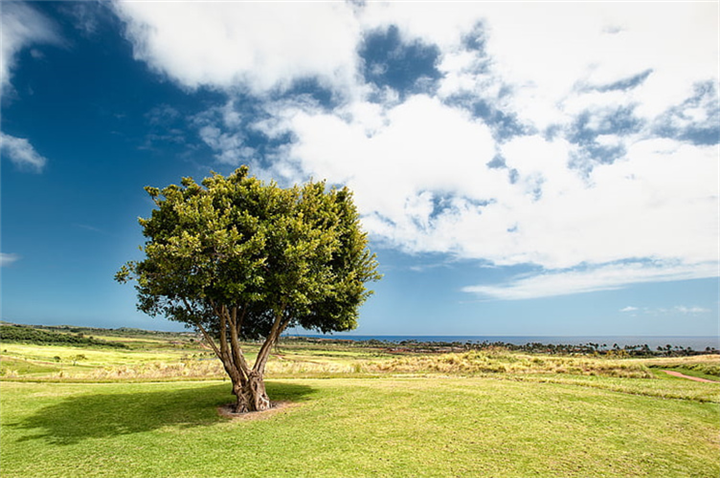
[(237, 258)]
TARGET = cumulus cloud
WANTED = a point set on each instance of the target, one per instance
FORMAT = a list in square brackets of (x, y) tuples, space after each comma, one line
[(21, 153), (259, 46), (548, 52), (395, 150), (577, 138), (438, 193)]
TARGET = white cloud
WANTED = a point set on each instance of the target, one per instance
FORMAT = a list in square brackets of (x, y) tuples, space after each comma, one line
[(22, 26), (605, 277), (422, 183), (679, 309), (545, 50), (257, 45), (436, 23), (21, 153), (581, 183), (7, 259), (691, 310), (413, 167), (230, 147), (224, 130)]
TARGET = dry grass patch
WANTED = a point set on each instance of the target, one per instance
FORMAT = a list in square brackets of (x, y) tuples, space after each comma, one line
[(211, 369), (502, 361)]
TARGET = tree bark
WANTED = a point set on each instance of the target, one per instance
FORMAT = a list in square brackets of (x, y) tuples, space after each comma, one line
[(248, 385), (251, 397), (277, 328)]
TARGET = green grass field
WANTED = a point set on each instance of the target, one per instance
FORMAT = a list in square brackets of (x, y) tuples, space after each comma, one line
[(354, 412)]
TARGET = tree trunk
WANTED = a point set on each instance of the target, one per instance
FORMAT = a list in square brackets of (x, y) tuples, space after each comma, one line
[(251, 397)]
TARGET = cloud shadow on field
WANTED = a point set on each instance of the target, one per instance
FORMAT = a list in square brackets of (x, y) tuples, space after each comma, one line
[(106, 415)]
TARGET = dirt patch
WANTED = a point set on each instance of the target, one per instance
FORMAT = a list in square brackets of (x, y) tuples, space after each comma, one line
[(682, 375), (277, 407)]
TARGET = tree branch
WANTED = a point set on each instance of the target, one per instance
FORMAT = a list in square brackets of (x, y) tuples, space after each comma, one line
[(237, 353), (209, 339), (271, 339), (207, 336), (225, 355), (223, 333)]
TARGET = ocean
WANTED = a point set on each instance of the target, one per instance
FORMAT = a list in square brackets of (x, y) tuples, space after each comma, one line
[(694, 342)]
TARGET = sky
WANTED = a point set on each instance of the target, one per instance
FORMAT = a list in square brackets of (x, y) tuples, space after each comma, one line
[(520, 168)]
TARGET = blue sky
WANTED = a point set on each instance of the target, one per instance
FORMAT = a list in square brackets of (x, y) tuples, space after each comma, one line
[(521, 169)]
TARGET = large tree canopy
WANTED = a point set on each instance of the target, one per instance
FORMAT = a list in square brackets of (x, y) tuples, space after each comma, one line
[(240, 258)]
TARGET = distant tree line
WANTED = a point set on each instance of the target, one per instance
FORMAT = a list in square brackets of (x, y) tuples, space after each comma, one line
[(118, 332), (614, 350), (32, 335)]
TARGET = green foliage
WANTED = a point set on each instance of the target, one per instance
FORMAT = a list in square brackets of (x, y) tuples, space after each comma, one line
[(270, 252), (23, 334), (238, 258), (707, 369), (710, 371)]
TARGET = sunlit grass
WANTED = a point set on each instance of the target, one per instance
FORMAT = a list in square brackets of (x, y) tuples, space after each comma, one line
[(64, 362), (16, 367), (701, 366), (490, 413), (355, 427), (93, 356)]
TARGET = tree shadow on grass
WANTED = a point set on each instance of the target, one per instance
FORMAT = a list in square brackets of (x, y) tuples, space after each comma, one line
[(106, 415)]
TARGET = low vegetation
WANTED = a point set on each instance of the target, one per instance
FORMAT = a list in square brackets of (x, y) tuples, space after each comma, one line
[(504, 362), (352, 410), (593, 349), (31, 335)]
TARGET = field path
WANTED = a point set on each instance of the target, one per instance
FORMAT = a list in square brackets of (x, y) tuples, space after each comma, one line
[(681, 375)]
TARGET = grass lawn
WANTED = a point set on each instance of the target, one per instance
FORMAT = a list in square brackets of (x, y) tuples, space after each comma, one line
[(152, 410), (390, 426)]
